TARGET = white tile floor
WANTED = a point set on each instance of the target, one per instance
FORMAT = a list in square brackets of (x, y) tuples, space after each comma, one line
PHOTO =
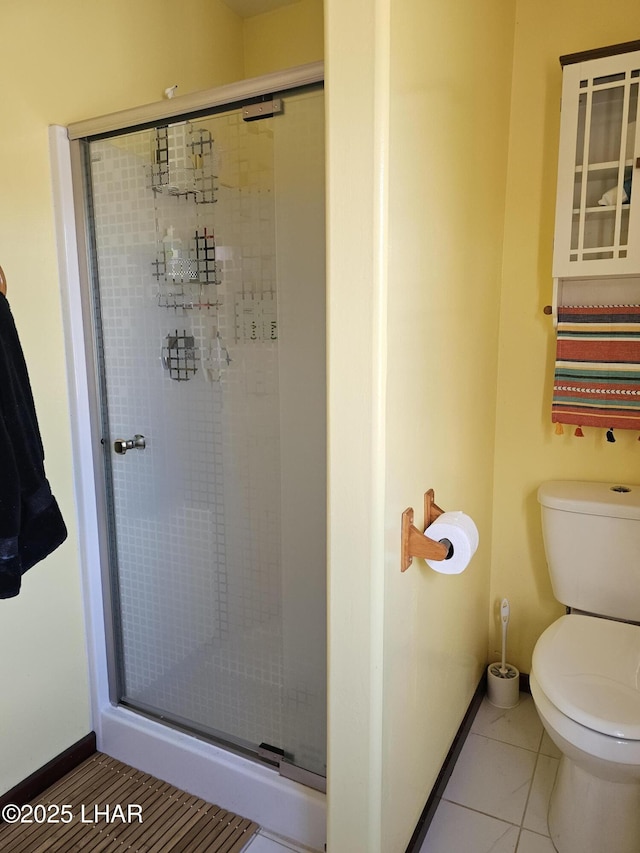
[(497, 797)]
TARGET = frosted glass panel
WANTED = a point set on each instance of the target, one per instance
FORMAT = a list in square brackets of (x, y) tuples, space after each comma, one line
[(209, 248)]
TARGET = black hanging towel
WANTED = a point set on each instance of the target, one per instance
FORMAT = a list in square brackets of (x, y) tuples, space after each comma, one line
[(31, 526)]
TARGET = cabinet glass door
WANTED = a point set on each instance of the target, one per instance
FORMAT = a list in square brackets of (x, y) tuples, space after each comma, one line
[(602, 107)]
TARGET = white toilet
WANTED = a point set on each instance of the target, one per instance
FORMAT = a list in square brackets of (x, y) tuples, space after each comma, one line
[(585, 674)]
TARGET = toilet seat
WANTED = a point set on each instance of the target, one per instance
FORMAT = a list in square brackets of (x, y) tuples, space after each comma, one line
[(589, 668)]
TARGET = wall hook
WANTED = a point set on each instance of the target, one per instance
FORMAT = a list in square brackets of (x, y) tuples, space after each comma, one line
[(418, 544)]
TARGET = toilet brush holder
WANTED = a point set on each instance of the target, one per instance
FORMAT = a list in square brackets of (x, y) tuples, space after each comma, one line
[(503, 685)]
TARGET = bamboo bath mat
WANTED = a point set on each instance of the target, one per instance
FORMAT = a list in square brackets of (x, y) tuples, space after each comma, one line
[(104, 806)]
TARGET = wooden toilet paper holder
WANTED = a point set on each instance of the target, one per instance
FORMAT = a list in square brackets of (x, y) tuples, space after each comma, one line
[(418, 544)]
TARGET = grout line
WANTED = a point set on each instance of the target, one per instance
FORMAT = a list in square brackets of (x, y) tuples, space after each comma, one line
[(508, 743), (520, 827), (486, 814), (526, 805)]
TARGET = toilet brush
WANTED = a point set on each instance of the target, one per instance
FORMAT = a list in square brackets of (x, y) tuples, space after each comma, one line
[(505, 612), (503, 679)]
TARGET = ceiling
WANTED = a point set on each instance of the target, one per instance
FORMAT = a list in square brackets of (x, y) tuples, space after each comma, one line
[(248, 8)]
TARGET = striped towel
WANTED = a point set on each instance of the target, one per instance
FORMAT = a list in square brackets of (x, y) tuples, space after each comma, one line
[(597, 375)]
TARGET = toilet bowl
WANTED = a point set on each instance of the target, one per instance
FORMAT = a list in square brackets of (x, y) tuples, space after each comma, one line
[(585, 683)]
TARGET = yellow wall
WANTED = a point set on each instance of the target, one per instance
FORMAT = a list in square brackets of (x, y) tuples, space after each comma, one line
[(284, 38), (450, 77), (450, 88), (355, 558), (418, 112), (527, 449), (61, 62), (93, 58)]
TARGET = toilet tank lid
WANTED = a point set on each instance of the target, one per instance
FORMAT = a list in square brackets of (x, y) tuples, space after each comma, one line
[(614, 500)]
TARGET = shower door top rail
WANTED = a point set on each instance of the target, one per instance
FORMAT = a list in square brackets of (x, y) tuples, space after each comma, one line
[(302, 75)]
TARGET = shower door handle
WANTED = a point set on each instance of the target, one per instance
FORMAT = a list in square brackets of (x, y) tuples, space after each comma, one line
[(121, 445)]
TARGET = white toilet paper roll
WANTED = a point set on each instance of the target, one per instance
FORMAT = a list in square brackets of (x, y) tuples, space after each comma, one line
[(462, 533)]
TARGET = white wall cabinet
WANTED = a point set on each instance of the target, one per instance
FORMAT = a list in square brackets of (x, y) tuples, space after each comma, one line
[(597, 231)]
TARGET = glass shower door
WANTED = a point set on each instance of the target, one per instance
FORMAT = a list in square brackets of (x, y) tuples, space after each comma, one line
[(208, 244)]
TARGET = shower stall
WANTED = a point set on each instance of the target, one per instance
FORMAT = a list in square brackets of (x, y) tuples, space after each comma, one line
[(202, 289)]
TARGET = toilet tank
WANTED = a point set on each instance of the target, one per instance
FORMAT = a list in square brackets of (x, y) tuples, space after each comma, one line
[(591, 537)]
